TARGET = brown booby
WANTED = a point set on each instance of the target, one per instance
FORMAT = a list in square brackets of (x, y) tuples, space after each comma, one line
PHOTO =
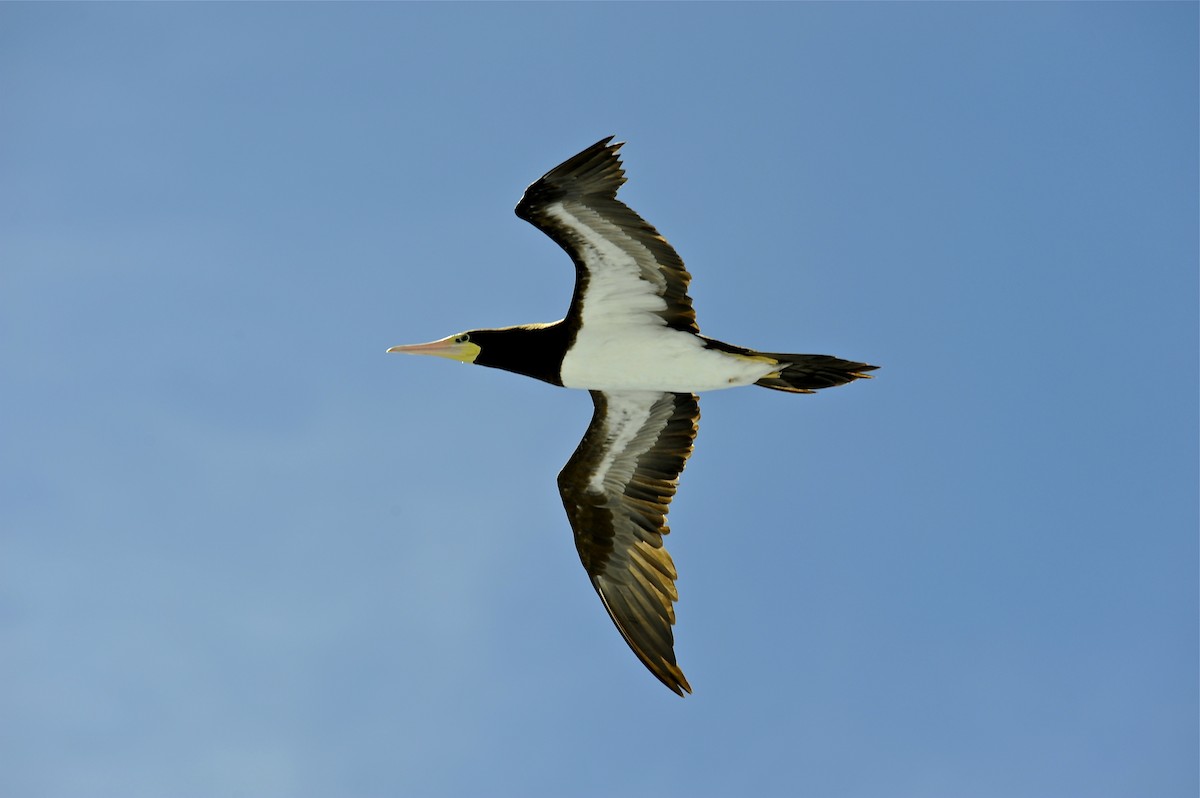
[(630, 339)]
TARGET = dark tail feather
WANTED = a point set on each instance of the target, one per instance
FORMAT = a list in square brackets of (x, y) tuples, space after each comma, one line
[(808, 373)]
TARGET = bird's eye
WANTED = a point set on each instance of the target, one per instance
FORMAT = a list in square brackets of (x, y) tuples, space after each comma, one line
[(462, 339)]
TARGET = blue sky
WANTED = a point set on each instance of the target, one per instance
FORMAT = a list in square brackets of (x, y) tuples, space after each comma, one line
[(244, 552)]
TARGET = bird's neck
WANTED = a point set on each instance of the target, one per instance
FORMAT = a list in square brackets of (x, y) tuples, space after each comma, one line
[(534, 350)]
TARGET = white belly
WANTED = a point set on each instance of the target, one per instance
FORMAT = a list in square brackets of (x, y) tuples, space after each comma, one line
[(656, 359)]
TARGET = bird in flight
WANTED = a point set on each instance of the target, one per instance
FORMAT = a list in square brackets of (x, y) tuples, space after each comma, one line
[(630, 339)]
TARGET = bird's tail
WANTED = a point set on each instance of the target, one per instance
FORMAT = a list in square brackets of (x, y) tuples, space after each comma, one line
[(808, 373)]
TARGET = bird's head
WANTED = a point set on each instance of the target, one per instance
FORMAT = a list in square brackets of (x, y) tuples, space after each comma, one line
[(535, 350), (454, 347)]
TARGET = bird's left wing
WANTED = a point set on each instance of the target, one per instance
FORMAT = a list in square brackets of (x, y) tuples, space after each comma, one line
[(616, 489), (625, 271)]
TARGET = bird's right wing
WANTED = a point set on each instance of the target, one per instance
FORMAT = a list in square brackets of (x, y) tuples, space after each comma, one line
[(616, 489)]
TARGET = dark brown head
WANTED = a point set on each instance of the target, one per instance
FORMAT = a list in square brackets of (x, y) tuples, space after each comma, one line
[(535, 350)]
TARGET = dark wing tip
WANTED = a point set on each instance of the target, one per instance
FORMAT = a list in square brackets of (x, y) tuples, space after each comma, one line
[(655, 648), (683, 686), (674, 680), (670, 675), (595, 171)]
